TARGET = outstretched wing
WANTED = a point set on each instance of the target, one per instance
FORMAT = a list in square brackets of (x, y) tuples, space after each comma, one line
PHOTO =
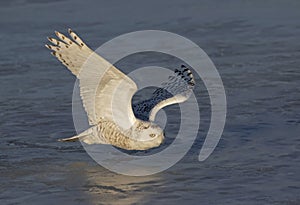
[(177, 89), (106, 92)]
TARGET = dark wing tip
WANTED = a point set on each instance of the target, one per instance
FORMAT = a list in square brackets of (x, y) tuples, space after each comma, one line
[(185, 73)]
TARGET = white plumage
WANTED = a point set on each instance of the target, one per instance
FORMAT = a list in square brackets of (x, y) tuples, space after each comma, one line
[(108, 104)]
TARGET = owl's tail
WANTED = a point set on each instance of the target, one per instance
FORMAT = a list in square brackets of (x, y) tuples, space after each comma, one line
[(81, 136), (89, 136)]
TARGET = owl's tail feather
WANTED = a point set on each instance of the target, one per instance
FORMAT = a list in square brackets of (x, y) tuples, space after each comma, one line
[(81, 136), (70, 139), (89, 136)]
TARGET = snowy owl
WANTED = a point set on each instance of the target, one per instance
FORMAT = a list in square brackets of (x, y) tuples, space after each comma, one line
[(143, 133)]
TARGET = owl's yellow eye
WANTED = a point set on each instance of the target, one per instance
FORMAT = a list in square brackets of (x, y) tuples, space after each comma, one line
[(152, 135)]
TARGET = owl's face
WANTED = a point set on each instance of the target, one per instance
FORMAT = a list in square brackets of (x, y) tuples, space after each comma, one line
[(148, 133)]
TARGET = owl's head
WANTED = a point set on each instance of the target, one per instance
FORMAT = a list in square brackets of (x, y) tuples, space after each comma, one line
[(148, 134)]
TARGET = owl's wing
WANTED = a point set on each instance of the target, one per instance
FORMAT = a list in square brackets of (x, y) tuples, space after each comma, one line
[(177, 89), (106, 92)]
